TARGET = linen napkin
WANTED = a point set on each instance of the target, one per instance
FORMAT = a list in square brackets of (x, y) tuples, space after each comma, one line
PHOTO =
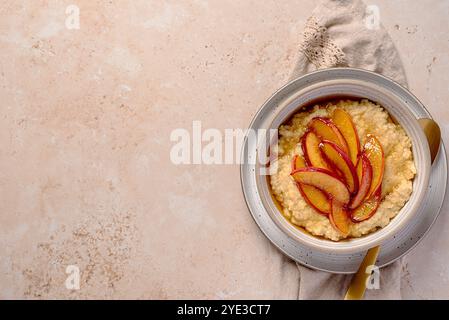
[(347, 33)]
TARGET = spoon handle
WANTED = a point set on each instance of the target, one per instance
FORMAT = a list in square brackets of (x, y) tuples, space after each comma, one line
[(357, 287), (433, 135)]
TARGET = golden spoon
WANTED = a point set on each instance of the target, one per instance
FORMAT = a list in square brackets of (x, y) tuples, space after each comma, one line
[(357, 287)]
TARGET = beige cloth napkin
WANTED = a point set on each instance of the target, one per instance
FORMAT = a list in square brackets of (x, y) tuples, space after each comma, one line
[(347, 33)]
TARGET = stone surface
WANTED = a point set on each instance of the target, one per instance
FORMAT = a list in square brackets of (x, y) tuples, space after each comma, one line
[(85, 123)]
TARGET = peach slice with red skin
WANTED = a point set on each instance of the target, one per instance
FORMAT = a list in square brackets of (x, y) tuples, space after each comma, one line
[(335, 156), (375, 154), (334, 176), (366, 175), (311, 148), (359, 169), (343, 122), (368, 208), (298, 162), (316, 198), (339, 217), (326, 130), (324, 180)]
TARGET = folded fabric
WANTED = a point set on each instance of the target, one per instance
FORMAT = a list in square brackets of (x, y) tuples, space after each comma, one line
[(347, 33)]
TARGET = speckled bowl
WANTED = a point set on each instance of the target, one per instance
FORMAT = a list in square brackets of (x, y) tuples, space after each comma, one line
[(322, 85)]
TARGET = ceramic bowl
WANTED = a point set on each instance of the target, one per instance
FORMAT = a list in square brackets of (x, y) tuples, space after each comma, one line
[(329, 84)]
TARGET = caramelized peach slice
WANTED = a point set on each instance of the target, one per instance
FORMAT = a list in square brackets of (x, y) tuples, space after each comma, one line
[(312, 153), (375, 154), (316, 198), (326, 130), (339, 217), (341, 161), (298, 162), (366, 175), (359, 169), (343, 122), (324, 180), (368, 208)]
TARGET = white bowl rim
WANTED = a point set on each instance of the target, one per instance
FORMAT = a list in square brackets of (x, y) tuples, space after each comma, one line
[(376, 237)]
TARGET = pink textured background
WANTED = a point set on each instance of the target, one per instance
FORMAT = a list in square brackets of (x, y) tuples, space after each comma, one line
[(85, 120)]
